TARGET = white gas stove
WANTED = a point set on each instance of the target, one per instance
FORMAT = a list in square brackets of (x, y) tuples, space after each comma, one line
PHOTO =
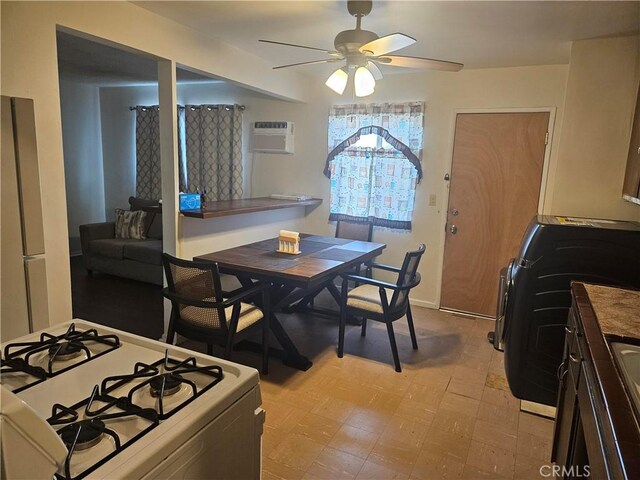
[(85, 401)]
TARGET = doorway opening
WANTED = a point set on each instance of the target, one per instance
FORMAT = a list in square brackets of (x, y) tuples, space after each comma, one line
[(114, 281)]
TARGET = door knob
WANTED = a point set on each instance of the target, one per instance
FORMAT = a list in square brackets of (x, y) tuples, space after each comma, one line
[(453, 229)]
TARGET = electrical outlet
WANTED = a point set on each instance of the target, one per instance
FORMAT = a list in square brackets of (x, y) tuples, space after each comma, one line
[(432, 200)]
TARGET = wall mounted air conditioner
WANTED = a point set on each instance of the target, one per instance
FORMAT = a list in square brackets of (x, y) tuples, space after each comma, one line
[(273, 137)]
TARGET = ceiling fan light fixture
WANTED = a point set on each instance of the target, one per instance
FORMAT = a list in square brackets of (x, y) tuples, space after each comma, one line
[(364, 83), (363, 51), (338, 80)]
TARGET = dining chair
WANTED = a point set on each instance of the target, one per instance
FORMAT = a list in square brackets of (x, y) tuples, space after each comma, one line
[(382, 301), (202, 311), (361, 231)]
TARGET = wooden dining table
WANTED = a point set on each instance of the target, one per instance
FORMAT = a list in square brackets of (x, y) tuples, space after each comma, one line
[(292, 277)]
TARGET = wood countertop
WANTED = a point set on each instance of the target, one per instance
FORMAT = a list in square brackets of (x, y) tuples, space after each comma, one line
[(225, 208)]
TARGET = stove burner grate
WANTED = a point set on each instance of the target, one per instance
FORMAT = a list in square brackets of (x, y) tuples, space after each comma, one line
[(175, 376), (166, 384), (173, 373), (65, 351), (34, 375), (85, 434), (23, 356)]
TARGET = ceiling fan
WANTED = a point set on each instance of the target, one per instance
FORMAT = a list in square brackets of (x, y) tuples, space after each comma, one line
[(363, 50)]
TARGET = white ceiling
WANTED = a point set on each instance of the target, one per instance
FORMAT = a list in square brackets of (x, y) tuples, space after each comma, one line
[(478, 34), (85, 61)]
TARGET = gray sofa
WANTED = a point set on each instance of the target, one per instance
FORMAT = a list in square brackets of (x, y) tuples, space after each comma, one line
[(136, 259)]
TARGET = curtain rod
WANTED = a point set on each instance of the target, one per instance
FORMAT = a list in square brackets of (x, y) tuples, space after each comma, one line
[(194, 107)]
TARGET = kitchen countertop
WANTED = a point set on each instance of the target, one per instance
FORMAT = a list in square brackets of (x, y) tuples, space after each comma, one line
[(616, 309), (607, 314)]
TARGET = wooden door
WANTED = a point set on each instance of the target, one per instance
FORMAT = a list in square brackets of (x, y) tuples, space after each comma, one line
[(494, 191)]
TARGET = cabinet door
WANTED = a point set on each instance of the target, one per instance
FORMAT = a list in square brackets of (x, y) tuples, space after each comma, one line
[(566, 420), (567, 414), (591, 423), (632, 176)]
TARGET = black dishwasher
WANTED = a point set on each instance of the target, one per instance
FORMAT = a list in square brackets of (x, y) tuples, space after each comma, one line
[(554, 251)]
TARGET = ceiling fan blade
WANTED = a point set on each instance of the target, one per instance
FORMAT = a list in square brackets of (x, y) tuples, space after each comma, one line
[(330, 52), (325, 60), (419, 62), (387, 44), (375, 71)]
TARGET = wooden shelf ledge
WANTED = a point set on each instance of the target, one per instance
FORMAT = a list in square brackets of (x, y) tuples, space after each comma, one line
[(225, 208)]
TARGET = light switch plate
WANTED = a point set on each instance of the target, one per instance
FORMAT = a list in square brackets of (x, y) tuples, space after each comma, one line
[(432, 200)]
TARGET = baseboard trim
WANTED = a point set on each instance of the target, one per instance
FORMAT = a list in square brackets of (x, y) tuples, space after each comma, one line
[(467, 314), (423, 303)]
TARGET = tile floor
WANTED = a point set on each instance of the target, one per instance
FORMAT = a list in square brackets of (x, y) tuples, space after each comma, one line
[(449, 414)]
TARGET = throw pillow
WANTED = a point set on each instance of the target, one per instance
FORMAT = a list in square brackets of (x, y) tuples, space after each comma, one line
[(130, 224), (153, 208)]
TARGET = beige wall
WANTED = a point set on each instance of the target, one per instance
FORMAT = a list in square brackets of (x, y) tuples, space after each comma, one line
[(601, 92), (198, 237), (29, 69)]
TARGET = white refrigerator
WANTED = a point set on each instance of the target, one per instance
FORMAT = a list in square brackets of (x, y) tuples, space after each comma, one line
[(23, 280)]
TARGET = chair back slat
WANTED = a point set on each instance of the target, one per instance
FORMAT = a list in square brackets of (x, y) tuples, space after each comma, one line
[(196, 281), (407, 275), (362, 231)]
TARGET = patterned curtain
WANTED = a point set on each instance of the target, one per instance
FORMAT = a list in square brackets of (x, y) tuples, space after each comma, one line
[(375, 183), (148, 180), (214, 150), (148, 169)]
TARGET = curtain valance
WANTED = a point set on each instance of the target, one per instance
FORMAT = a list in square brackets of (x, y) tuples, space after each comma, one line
[(381, 132)]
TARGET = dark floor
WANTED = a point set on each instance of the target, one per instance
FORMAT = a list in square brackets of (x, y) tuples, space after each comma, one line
[(128, 305)]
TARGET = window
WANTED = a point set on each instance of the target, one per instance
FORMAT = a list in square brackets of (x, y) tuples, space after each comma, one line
[(373, 140), (374, 162)]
